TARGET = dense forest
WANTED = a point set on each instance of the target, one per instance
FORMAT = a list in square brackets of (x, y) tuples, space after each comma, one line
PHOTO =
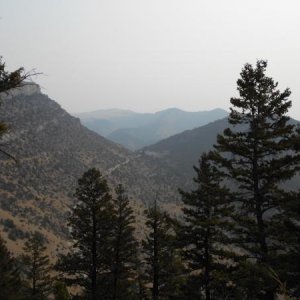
[(237, 235)]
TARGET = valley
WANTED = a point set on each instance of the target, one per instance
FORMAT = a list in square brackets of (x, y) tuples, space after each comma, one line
[(137, 130), (53, 150)]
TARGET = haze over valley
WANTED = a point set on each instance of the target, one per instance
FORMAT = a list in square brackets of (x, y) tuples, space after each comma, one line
[(149, 150), (135, 130)]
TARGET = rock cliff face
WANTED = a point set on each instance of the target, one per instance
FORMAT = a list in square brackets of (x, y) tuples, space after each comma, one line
[(27, 89), (53, 150)]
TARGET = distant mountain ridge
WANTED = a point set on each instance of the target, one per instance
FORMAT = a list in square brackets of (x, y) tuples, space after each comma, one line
[(136, 130), (106, 114), (182, 151)]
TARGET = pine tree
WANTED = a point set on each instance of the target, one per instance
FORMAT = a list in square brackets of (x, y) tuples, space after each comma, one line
[(11, 80), (141, 278), (289, 235), (160, 253), (124, 252), (8, 81), (205, 232), (60, 291), (37, 267), (91, 223), (9, 276), (257, 156)]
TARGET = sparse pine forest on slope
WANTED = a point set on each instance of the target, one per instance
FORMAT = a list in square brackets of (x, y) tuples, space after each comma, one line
[(83, 218)]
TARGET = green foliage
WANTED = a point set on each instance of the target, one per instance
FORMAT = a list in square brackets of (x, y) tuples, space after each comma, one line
[(258, 156), (205, 233), (91, 223), (162, 264), (10, 282), (37, 268), (8, 81), (124, 252), (60, 291), (289, 234)]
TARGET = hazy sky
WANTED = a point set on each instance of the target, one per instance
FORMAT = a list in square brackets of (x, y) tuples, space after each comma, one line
[(149, 55)]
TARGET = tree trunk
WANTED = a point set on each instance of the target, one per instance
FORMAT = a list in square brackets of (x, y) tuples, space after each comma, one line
[(94, 257), (258, 211), (207, 266)]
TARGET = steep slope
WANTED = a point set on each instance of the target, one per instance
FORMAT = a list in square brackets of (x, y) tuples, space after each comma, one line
[(135, 131), (183, 150), (53, 150)]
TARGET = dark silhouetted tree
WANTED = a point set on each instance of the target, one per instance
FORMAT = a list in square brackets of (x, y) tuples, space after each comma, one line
[(205, 233), (9, 81), (91, 227), (37, 267), (60, 291), (162, 265), (10, 282), (289, 235), (257, 155), (124, 252)]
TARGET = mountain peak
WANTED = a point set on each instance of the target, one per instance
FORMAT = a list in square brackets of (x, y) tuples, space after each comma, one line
[(169, 110)]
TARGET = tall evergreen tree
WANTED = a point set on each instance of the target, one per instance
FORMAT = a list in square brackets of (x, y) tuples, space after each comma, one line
[(124, 252), (37, 267), (257, 155), (9, 276), (206, 230), (91, 222), (160, 253)]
